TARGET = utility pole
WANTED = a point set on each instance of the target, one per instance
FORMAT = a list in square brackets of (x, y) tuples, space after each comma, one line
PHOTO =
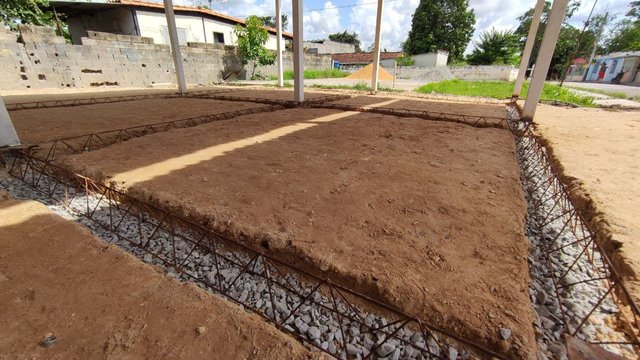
[(577, 48)]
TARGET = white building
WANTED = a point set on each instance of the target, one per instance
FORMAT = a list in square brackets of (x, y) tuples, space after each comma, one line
[(140, 18)]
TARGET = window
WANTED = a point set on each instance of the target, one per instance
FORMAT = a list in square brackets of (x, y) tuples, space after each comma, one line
[(218, 38), (182, 35), (614, 64)]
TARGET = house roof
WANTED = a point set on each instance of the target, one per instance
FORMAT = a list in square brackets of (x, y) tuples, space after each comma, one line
[(97, 4), (363, 57), (619, 55)]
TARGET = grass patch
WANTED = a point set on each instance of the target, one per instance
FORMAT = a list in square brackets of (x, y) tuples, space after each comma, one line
[(502, 90), (361, 86), (314, 74)]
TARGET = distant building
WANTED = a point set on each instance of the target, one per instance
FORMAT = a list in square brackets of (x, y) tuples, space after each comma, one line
[(147, 19), (328, 47), (605, 68), (355, 60)]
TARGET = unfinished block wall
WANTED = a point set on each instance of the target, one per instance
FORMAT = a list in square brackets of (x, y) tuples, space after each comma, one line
[(35, 57)]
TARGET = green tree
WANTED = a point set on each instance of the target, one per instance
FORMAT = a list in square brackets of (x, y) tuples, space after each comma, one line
[(270, 21), (626, 34), (25, 12), (404, 60), (441, 25), (495, 47), (346, 38), (250, 45)]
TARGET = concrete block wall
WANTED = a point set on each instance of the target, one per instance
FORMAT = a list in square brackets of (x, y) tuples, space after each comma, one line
[(37, 58), (484, 72)]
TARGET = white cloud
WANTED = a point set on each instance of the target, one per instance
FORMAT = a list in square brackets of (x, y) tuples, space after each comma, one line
[(319, 24), (396, 22)]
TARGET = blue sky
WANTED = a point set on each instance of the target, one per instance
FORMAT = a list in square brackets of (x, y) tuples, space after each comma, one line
[(324, 17)]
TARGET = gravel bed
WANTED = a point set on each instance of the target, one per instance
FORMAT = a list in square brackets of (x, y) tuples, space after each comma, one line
[(312, 320), (567, 242)]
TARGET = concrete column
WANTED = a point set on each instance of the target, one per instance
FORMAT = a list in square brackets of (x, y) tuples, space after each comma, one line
[(376, 48), (544, 58), (279, 46), (298, 52), (528, 47), (8, 136), (175, 46)]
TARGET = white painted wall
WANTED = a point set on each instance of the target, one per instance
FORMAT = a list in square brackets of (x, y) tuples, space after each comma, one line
[(194, 28)]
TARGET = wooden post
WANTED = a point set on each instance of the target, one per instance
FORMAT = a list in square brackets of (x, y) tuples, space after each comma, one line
[(376, 48), (298, 52), (279, 46), (175, 46)]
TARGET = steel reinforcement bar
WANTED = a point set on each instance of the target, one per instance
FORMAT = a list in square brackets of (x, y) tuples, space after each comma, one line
[(102, 100), (286, 103), (556, 213), (473, 120), (181, 241), (88, 142)]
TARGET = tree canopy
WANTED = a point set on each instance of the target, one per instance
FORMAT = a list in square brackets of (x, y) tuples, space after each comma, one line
[(270, 21), (495, 48), (346, 38), (626, 33), (250, 44), (25, 12), (441, 25)]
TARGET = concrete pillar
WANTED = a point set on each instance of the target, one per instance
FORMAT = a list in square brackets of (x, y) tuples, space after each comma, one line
[(175, 46), (298, 52), (376, 48), (8, 136), (547, 48), (528, 47), (279, 46)]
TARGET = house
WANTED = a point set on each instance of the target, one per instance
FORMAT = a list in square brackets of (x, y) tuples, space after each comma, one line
[(328, 47), (147, 19), (354, 60), (606, 67), (350, 61)]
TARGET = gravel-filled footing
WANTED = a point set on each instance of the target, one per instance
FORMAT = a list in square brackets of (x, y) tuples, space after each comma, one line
[(558, 241)]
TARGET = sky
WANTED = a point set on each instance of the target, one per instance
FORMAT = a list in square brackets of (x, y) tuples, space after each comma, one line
[(324, 17)]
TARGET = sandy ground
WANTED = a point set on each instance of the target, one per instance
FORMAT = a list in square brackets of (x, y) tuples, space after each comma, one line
[(40, 125), (598, 151), (427, 216), (272, 94), (101, 303)]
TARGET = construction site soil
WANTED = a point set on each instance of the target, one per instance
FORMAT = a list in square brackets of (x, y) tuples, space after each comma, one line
[(435, 106), (99, 302), (597, 153), (426, 216), (261, 93), (41, 125)]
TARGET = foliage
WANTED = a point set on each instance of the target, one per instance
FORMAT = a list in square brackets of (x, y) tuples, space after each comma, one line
[(441, 25), (495, 48), (346, 38), (25, 12), (314, 74), (404, 60), (250, 43), (502, 90), (270, 21), (626, 35)]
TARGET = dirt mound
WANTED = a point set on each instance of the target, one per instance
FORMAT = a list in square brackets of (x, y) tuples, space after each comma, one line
[(366, 72)]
